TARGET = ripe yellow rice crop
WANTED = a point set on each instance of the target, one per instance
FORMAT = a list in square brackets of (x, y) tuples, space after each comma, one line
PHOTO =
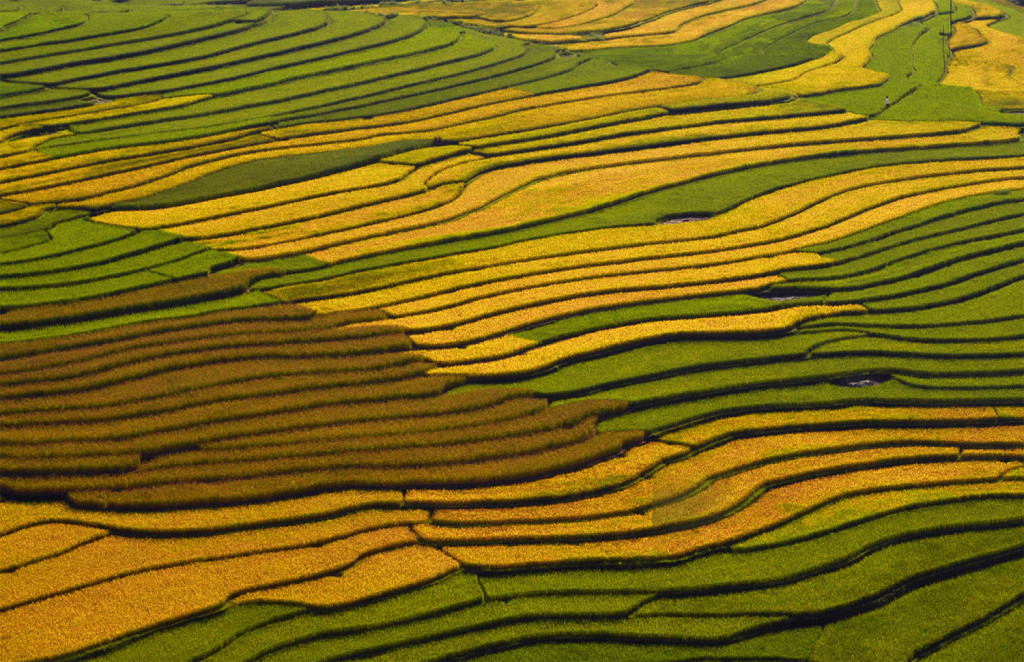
[(833, 128), (18, 151), (86, 179), (607, 240), (886, 8), (610, 473), (545, 255), (857, 507), (552, 189), (557, 194), (690, 24), (378, 174), (902, 207), (105, 191), (42, 541), (713, 500), (880, 203), (21, 153), (483, 301), (113, 160), (104, 612), (482, 107), (545, 356), (113, 555), (304, 236), (446, 291), (548, 38), (775, 506), (577, 110), (841, 208), (603, 9), (598, 240), (9, 144), (773, 207), (26, 213), (554, 178), (15, 515), (779, 77), (115, 108), (418, 157), (670, 22), (1008, 454), (496, 12), (757, 424), (380, 184), (548, 12), (381, 574), (637, 12), (965, 35), (506, 140), (487, 350), (303, 221), (481, 191), (441, 114), (982, 10), (854, 52), (506, 322), (993, 69), (747, 454), (647, 121), (488, 11)]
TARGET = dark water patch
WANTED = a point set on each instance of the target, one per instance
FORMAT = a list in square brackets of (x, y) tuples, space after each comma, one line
[(685, 219), (790, 294), (862, 381)]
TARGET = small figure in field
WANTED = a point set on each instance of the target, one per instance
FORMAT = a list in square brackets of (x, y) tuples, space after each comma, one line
[(887, 102)]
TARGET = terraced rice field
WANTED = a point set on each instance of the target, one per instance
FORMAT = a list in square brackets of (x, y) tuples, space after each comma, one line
[(534, 330)]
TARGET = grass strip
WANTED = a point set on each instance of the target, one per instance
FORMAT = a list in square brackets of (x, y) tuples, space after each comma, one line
[(737, 569), (811, 396), (535, 359), (454, 592), (226, 209), (763, 513), (917, 619), (665, 510), (990, 638), (273, 28), (684, 476), (138, 300), (715, 193), (201, 637), (266, 173), (891, 570), (357, 31), (181, 29), (66, 237), (154, 259), (38, 24)]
